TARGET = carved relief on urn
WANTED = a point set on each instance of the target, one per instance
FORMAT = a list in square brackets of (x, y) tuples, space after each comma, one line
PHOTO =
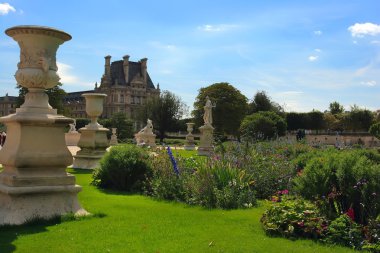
[(37, 67)]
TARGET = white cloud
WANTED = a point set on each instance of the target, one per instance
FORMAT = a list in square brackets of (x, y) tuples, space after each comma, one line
[(216, 28), (67, 78), (5, 8), (369, 83), (318, 33), (317, 50), (313, 57), (360, 30), (376, 42)]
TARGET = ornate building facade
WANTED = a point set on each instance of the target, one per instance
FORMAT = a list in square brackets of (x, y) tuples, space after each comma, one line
[(8, 105), (127, 85)]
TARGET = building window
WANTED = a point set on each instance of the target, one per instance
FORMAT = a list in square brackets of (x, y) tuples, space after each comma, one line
[(121, 98)]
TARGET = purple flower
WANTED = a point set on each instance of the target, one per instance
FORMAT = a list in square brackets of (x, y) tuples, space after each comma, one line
[(174, 163)]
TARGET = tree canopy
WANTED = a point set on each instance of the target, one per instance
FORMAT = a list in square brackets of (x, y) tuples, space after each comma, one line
[(231, 107), (336, 108), (262, 103), (263, 125), (165, 111)]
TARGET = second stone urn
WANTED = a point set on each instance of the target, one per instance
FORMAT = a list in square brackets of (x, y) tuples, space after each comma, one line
[(93, 141), (113, 140), (190, 143)]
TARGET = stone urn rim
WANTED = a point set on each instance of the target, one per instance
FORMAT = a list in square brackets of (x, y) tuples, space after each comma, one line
[(39, 30)]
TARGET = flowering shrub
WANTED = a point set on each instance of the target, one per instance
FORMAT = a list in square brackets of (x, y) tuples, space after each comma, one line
[(213, 183), (294, 217), (340, 180)]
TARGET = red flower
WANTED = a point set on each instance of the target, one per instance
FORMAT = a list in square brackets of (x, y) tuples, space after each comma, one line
[(350, 213)]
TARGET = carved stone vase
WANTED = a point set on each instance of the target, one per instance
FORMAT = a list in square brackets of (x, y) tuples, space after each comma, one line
[(189, 144), (34, 182), (113, 140), (93, 140)]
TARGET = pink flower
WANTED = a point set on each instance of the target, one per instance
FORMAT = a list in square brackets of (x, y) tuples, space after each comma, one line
[(350, 213), (284, 192)]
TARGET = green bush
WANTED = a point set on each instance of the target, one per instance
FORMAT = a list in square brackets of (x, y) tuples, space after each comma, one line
[(262, 125), (124, 168), (343, 179), (344, 231), (294, 218)]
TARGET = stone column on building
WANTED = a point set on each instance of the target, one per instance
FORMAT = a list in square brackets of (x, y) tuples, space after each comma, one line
[(34, 182), (126, 67), (107, 66), (143, 62)]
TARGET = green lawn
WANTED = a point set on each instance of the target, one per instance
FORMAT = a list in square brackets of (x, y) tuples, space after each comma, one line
[(134, 223)]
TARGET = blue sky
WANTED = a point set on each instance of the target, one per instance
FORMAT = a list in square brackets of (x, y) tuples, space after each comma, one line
[(304, 54)]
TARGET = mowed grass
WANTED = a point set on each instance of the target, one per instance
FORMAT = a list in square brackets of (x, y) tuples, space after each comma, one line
[(134, 223)]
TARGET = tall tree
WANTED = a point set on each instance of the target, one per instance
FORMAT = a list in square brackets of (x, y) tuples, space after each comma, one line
[(262, 103), (164, 111), (336, 108), (231, 107), (56, 95)]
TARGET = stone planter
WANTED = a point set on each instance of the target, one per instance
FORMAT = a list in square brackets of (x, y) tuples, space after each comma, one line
[(93, 141), (189, 144), (34, 182), (113, 140)]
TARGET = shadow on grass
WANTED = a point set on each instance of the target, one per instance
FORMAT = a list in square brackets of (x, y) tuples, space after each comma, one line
[(9, 233)]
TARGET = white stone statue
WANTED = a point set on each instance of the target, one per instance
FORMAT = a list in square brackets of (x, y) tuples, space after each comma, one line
[(145, 136), (73, 127), (148, 129), (207, 117)]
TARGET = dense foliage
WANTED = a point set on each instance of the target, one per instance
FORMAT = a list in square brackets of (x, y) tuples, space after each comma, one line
[(124, 167), (262, 125), (123, 124), (343, 180), (165, 111), (231, 107)]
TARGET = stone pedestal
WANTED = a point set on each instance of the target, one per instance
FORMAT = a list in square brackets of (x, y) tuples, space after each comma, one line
[(93, 140), (146, 139), (190, 143), (34, 182), (72, 138), (206, 140), (113, 140), (93, 145)]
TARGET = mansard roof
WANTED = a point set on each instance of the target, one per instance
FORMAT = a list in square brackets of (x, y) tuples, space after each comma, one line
[(117, 73)]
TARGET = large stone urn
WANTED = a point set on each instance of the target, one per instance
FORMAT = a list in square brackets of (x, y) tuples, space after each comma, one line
[(190, 143), (34, 182), (93, 140)]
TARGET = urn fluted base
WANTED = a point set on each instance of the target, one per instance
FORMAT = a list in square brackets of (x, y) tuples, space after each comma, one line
[(190, 143), (93, 144)]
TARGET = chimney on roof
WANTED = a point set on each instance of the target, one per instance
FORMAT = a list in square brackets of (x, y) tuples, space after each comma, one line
[(143, 62), (126, 67), (107, 66)]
